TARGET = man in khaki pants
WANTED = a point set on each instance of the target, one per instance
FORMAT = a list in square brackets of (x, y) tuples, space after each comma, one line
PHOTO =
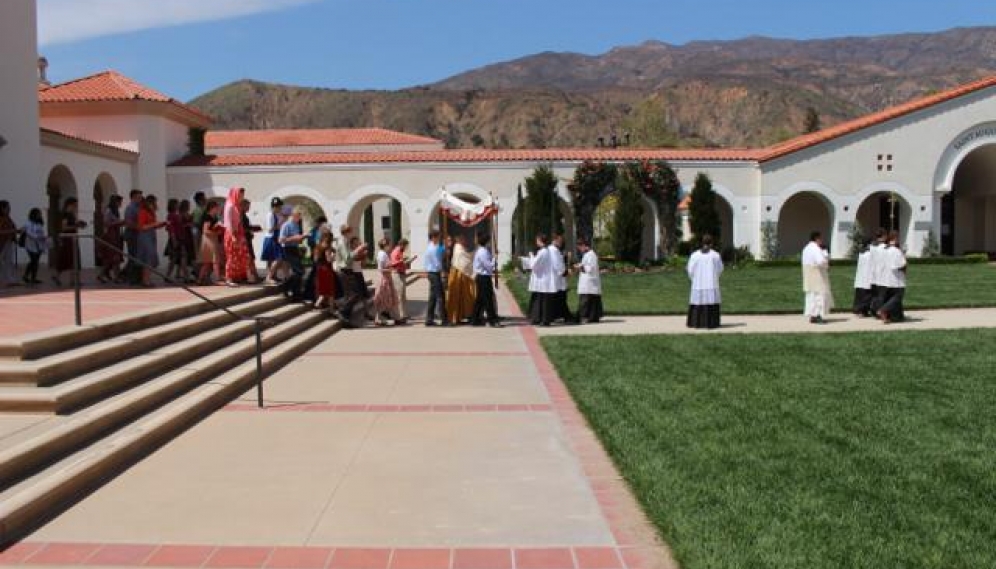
[(400, 265)]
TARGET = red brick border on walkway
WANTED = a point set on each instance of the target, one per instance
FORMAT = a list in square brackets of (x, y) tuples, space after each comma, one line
[(263, 557)]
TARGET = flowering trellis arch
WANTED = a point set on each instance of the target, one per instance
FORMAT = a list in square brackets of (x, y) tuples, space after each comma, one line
[(593, 181)]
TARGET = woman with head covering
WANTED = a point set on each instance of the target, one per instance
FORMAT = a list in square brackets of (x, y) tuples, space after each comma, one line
[(236, 250)]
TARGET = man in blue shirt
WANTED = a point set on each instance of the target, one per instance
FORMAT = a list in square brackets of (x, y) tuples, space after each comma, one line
[(433, 263), (291, 236), (132, 271), (484, 271)]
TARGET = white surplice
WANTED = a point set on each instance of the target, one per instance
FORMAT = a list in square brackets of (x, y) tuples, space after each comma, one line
[(704, 268), (876, 260), (541, 278), (895, 262), (816, 281), (557, 268), (863, 275), (590, 280)]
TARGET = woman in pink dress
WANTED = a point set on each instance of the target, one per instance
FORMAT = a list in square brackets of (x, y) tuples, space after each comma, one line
[(385, 297), (236, 249)]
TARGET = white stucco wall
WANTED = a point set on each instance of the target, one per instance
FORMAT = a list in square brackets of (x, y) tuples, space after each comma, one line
[(158, 140), (85, 170), (922, 146), (19, 106), (344, 190)]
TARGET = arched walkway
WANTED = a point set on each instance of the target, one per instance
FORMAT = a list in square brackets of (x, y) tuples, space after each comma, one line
[(886, 210), (312, 210), (61, 184), (523, 243), (799, 216), (968, 211), (103, 188)]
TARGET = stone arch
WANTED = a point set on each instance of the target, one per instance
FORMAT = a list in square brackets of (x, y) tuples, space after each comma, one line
[(885, 205), (60, 184), (725, 206), (362, 198), (968, 210), (651, 241), (103, 188), (311, 200), (961, 146), (522, 244), (801, 213)]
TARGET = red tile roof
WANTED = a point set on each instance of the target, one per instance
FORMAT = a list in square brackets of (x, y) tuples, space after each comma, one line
[(476, 155), (107, 86), (828, 134), (87, 141), (312, 137)]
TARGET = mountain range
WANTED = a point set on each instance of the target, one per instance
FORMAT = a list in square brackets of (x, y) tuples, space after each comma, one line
[(749, 92)]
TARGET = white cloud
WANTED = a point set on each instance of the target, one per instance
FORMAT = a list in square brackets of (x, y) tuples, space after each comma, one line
[(66, 21)]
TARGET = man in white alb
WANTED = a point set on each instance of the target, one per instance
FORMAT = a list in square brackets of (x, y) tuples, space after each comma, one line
[(704, 268), (816, 279)]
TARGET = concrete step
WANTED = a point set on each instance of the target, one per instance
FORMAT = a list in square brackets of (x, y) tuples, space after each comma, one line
[(60, 366), (29, 504), (34, 346), (191, 352), (66, 437)]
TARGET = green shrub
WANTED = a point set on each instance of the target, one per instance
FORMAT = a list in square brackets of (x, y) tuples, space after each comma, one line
[(769, 240), (931, 247), (737, 256)]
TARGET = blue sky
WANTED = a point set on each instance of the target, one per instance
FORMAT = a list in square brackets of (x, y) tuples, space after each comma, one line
[(187, 47)]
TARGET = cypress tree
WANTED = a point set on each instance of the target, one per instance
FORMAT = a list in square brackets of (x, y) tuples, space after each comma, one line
[(703, 217), (627, 235), (541, 212)]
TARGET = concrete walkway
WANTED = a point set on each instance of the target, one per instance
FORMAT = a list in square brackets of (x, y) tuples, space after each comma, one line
[(394, 448), (776, 324)]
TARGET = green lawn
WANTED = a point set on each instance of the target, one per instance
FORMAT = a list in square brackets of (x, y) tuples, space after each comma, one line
[(779, 289), (801, 451)]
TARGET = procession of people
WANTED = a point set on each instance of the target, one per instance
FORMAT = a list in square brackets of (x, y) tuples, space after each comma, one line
[(210, 244)]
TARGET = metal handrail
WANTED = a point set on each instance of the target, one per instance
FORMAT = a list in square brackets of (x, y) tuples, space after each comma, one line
[(258, 321)]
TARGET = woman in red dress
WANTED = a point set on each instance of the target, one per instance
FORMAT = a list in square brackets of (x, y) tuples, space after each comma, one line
[(236, 250), (324, 279)]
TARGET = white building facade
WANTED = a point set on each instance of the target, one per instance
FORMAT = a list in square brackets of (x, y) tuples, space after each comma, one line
[(926, 167)]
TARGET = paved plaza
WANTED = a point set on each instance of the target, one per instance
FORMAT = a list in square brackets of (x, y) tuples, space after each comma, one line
[(380, 448)]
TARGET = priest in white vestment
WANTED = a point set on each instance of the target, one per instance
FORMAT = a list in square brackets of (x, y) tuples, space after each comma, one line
[(894, 281), (877, 261), (589, 284), (558, 267), (541, 282), (816, 279), (863, 282), (704, 268)]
